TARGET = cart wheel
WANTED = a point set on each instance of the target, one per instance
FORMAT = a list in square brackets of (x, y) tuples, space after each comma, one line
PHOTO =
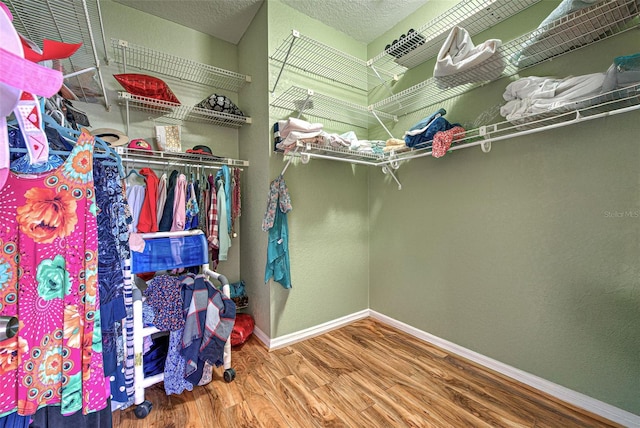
[(142, 410), (229, 375)]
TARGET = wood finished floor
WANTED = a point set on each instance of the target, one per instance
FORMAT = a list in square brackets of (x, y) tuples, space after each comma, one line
[(366, 374)]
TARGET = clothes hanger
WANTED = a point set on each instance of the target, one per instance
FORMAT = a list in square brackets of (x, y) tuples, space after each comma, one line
[(101, 148), (135, 172)]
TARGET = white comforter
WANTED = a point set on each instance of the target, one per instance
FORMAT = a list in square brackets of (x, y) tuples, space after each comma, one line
[(535, 95)]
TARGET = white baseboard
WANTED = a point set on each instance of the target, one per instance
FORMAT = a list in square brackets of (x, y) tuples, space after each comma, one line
[(565, 394), (308, 333), (262, 336)]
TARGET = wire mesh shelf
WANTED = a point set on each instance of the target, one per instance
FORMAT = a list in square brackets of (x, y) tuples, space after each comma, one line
[(576, 30), (177, 113), (473, 15), (132, 55), (313, 104), (617, 101), (603, 103), (311, 56), (68, 21), (572, 31), (148, 157), (307, 150)]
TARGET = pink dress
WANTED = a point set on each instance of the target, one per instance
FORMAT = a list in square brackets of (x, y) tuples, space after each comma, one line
[(48, 279)]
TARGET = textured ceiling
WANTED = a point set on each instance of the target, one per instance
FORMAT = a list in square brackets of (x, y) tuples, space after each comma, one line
[(223, 19), (363, 20)]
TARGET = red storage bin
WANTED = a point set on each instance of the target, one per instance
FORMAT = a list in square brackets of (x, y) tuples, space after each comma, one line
[(242, 329)]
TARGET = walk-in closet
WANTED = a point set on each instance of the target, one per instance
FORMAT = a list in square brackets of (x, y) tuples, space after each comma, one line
[(319, 213)]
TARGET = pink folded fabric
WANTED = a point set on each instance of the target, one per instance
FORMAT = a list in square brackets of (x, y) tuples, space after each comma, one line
[(443, 139)]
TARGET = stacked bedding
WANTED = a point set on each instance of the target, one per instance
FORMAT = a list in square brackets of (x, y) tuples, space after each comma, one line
[(534, 98)]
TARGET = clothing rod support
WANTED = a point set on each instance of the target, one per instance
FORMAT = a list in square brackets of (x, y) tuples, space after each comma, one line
[(76, 73), (373, 112), (172, 163)]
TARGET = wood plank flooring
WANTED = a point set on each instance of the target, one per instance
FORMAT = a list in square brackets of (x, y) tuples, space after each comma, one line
[(366, 374)]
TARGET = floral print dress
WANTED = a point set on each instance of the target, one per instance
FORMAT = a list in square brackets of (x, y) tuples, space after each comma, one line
[(48, 280)]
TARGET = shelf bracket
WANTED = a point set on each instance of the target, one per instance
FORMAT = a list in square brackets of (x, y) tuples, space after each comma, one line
[(301, 105), (296, 35), (384, 83), (387, 170), (484, 132), (373, 112), (95, 51)]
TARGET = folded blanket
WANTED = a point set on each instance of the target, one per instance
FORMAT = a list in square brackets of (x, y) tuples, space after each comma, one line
[(460, 61), (535, 95), (394, 144), (300, 125)]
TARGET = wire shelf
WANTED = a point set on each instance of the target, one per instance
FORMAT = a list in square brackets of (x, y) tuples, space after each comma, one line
[(68, 21), (609, 103), (149, 157), (574, 31), (603, 103), (310, 103), (177, 113), (336, 153), (615, 102), (473, 15), (132, 55), (311, 56)]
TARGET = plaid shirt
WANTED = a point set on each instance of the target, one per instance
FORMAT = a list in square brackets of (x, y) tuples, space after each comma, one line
[(208, 324)]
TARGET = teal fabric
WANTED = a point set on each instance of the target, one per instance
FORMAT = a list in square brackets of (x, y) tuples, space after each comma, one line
[(225, 174), (275, 222), (278, 265)]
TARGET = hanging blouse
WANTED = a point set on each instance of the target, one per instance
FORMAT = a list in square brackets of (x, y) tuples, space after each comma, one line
[(49, 245), (110, 276), (148, 221), (162, 197), (179, 204), (167, 214), (135, 197), (192, 209), (236, 209)]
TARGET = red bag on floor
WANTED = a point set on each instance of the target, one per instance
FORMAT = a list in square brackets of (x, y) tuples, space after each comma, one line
[(242, 329)]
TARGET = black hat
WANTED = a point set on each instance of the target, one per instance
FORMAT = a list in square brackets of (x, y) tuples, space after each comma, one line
[(202, 150)]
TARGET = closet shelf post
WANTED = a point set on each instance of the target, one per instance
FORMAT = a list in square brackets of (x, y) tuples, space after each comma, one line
[(395, 119), (296, 35)]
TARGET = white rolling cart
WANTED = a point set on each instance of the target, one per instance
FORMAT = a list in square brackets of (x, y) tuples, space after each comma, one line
[(167, 251)]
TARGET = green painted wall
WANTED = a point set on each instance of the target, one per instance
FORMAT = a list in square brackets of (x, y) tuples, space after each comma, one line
[(328, 226), (528, 254), (253, 146)]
